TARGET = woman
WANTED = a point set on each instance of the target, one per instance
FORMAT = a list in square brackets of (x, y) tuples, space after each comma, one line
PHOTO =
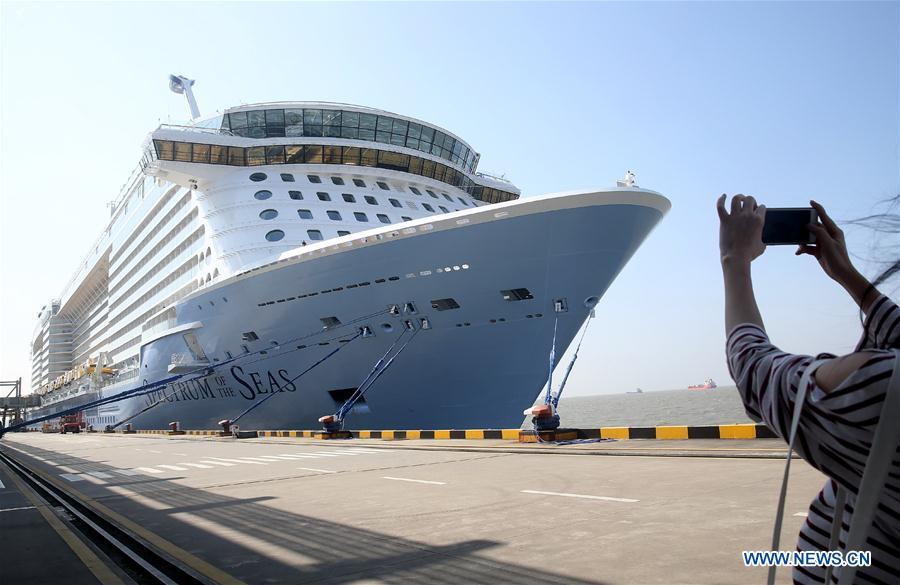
[(844, 398)]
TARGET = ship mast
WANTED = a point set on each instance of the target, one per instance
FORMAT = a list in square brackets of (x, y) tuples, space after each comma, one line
[(181, 84)]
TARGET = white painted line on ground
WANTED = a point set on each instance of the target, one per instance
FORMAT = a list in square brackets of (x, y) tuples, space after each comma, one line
[(14, 509), (180, 454), (801, 514), (152, 451), (198, 465), (53, 463), (239, 461), (303, 456), (255, 460), (128, 472), (318, 470), (38, 458), (414, 480), (274, 457), (72, 476), (99, 474), (148, 470), (222, 463), (565, 495), (172, 467)]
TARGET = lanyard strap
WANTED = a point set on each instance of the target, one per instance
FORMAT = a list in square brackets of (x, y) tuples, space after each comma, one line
[(795, 421)]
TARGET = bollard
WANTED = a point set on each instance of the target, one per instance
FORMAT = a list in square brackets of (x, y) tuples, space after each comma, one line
[(174, 428), (129, 429), (226, 428)]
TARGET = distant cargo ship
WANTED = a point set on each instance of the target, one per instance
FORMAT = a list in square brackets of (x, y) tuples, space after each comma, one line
[(707, 384)]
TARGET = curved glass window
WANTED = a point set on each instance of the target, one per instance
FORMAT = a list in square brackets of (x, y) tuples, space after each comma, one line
[(334, 215), (313, 154), (275, 235), (257, 177), (295, 195), (278, 122), (262, 195), (314, 235), (395, 203), (371, 200), (268, 214), (360, 216), (383, 218), (349, 198), (305, 214)]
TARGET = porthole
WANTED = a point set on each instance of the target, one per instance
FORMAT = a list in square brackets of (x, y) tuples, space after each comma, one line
[(295, 195), (371, 200), (334, 215), (444, 209), (428, 207), (262, 195), (287, 177), (257, 177), (414, 190), (359, 182), (383, 218), (360, 216), (348, 197), (405, 218), (430, 192), (314, 234), (387, 327), (323, 196), (305, 214), (314, 178), (268, 214), (383, 185), (275, 235), (337, 180), (395, 203), (343, 233)]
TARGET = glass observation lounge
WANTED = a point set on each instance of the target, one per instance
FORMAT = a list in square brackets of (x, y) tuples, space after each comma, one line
[(336, 123)]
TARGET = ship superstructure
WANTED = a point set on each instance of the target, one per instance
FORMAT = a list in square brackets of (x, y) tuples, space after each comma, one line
[(243, 233)]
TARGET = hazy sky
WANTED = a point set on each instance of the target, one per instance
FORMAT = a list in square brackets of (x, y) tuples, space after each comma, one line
[(785, 101)]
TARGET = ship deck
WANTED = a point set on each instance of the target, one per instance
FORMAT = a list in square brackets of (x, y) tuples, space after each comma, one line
[(370, 511)]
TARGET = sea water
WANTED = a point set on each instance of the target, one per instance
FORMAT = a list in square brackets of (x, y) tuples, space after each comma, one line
[(653, 408)]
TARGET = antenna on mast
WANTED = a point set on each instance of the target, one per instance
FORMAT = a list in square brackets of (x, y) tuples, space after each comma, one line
[(181, 84)]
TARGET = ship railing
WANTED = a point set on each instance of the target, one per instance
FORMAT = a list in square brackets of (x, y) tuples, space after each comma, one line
[(183, 128), (493, 177)]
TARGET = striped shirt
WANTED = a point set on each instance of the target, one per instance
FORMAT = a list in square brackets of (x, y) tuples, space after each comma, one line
[(834, 434)]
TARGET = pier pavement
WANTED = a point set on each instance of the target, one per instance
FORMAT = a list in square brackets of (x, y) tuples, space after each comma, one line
[(369, 511)]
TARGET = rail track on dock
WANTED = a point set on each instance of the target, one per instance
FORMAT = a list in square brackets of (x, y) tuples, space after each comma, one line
[(139, 560)]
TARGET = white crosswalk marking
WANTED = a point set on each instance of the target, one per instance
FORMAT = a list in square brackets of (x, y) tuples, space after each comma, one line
[(72, 476), (303, 456), (172, 467), (256, 460), (99, 474), (317, 470), (240, 461), (148, 470), (222, 463), (198, 465), (274, 457), (321, 454)]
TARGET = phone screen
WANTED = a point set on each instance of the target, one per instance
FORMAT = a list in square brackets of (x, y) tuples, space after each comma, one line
[(788, 225)]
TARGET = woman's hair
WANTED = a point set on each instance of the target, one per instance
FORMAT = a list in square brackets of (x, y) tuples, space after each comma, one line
[(885, 223)]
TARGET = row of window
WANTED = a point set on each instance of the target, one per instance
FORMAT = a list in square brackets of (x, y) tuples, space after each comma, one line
[(333, 214), (265, 194), (289, 178), (277, 123), (321, 154)]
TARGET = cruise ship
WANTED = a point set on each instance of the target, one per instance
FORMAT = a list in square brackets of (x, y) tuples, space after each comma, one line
[(248, 246)]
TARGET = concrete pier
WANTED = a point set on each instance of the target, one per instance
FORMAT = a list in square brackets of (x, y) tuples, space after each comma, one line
[(296, 510)]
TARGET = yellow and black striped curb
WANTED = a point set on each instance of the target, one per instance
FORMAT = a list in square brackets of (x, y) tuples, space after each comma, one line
[(737, 431)]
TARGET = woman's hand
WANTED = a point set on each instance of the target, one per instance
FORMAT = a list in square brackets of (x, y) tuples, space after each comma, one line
[(740, 232), (830, 250)]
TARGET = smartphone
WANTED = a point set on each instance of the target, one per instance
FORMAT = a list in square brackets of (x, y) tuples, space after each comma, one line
[(788, 226)]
